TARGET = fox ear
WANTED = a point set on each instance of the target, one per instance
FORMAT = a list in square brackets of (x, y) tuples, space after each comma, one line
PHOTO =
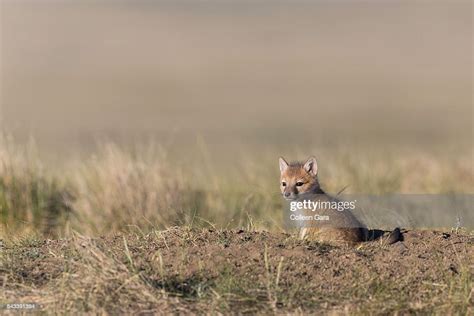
[(311, 166), (283, 164)]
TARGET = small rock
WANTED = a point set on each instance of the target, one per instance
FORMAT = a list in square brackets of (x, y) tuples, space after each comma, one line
[(402, 248), (453, 268)]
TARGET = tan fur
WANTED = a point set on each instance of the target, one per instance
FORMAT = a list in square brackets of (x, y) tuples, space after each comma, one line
[(343, 227)]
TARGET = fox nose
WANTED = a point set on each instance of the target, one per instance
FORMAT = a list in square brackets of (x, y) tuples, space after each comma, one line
[(287, 194)]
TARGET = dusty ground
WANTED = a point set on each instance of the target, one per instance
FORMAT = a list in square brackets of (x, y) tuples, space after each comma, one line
[(195, 271)]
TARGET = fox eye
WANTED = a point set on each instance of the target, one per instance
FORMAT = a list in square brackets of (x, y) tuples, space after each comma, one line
[(283, 183), (298, 184)]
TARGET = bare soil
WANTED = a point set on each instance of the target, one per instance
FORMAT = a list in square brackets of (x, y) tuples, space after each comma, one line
[(184, 270)]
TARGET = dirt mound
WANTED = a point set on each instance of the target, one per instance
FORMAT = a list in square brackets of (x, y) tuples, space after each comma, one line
[(185, 270)]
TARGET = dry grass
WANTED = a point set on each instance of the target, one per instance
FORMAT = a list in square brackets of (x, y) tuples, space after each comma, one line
[(206, 271), (120, 189), (145, 191)]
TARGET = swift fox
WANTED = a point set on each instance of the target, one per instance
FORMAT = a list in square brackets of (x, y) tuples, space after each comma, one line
[(300, 180)]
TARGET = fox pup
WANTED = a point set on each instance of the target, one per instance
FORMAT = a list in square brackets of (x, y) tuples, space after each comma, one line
[(300, 180)]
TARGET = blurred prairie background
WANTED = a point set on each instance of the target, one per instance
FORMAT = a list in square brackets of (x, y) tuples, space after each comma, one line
[(137, 114)]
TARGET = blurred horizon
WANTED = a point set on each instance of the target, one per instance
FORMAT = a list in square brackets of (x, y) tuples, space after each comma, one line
[(269, 74)]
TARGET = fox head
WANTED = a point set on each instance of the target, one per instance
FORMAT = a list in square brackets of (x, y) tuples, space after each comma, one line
[(298, 178)]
